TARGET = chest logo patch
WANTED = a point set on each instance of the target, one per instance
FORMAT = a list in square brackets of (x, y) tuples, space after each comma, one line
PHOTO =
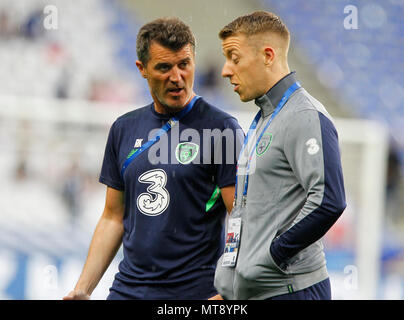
[(138, 143), (186, 152), (264, 144), (156, 200)]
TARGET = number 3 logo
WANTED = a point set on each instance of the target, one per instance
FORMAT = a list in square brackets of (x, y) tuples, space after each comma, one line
[(313, 146), (155, 201)]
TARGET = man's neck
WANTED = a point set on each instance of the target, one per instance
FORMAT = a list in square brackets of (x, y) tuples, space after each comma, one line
[(276, 77)]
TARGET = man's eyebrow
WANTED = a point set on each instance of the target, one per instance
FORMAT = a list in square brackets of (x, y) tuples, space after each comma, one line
[(187, 59)]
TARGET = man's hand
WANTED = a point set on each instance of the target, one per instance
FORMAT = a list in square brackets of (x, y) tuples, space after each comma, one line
[(77, 295)]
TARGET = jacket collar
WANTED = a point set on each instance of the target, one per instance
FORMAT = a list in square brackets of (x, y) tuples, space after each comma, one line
[(270, 100)]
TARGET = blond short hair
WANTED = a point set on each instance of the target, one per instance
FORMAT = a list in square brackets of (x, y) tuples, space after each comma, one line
[(256, 23)]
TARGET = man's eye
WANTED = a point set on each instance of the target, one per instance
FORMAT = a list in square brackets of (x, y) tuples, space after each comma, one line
[(164, 68), (235, 59), (183, 65)]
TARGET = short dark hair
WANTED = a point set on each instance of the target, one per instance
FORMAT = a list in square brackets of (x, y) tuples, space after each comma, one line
[(255, 23), (171, 33)]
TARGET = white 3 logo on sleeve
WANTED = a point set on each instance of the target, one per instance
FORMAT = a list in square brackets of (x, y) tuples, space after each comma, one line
[(312, 146)]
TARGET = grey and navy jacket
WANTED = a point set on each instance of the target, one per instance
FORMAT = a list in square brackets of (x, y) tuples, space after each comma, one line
[(295, 194)]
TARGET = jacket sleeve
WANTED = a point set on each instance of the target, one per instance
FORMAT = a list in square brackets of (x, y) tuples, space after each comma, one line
[(312, 150)]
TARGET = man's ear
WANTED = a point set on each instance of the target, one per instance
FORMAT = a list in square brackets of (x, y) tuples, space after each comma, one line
[(141, 68), (269, 56)]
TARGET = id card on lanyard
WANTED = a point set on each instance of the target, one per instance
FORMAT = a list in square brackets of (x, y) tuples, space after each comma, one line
[(232, 242), (234, 223)]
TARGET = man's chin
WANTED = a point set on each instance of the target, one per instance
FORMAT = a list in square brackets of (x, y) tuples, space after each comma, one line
[(176, 102), (176, 105), (173, 106), (245, 99)]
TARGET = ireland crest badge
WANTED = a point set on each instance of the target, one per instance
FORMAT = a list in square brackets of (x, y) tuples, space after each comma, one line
[(186, 152), (264, 143)]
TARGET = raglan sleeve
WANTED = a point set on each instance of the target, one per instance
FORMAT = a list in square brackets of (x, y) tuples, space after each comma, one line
[(110, 172), (312, 150), (227, 151)]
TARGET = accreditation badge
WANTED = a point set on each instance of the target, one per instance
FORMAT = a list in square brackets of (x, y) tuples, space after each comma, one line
[(232, 242)]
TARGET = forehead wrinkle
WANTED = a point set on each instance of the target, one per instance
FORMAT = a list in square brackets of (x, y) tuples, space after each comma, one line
[(229, 48), (235, 42), (161, 54)]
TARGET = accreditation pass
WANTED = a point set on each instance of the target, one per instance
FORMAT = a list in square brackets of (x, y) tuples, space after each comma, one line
[(232, 242)]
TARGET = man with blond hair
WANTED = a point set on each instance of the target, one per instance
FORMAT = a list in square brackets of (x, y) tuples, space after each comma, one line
[(289, 184)]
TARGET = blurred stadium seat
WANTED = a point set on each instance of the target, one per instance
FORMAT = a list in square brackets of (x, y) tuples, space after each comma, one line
[(69, 56), (365, 65)]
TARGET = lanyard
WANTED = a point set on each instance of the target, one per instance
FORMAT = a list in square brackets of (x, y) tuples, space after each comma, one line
[(170, 123), (253, 127)]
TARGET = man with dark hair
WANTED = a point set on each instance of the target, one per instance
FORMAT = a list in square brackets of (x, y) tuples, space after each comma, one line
[(170, 33), (290, 188), (169, 214)]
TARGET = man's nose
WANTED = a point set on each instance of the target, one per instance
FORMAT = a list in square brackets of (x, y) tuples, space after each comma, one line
[(175, 74), (226, 71)]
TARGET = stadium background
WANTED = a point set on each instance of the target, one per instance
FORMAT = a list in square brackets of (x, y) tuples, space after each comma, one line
[(61, 88)]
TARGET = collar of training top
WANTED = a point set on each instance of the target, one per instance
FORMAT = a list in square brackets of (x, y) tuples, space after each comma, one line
[(270, 100)]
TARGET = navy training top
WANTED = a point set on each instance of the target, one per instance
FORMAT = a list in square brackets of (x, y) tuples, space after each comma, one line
[(174, 214)]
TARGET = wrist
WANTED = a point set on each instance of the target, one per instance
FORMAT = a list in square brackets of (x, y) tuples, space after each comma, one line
[(83, 289)]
